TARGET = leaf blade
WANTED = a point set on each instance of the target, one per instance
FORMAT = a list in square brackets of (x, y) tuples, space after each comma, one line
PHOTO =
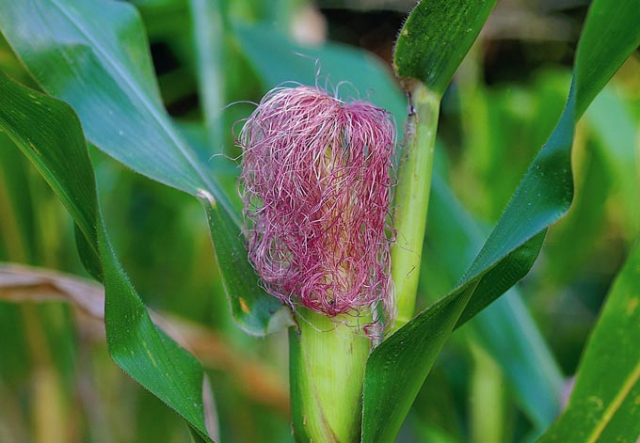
[(505, 329), (543, 196), (94, 56), (48, 132), (436, 37)]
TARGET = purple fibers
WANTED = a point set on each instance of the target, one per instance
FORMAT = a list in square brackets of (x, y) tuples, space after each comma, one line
[(316, 186)]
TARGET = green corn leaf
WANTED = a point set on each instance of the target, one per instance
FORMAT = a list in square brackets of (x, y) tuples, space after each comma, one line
[(94, 55), (48, 133), (604, 404), (505, 329), (397, 368), (436, 37)]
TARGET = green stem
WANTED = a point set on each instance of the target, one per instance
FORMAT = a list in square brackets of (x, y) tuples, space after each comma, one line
[(327, 359), (412, 200)]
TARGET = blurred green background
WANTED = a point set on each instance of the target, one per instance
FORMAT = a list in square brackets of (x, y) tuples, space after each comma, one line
[(57, 383)]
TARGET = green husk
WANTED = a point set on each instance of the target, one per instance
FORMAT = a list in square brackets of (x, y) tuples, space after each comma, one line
[(327, 361)]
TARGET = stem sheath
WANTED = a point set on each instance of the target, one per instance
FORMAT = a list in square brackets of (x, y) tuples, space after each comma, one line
[(327, 358), (412, 200)]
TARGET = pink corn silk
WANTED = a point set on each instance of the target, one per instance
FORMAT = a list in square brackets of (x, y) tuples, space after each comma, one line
[(315, 184)]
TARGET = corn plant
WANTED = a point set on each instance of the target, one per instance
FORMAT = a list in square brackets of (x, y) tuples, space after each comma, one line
[(316, 203)]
